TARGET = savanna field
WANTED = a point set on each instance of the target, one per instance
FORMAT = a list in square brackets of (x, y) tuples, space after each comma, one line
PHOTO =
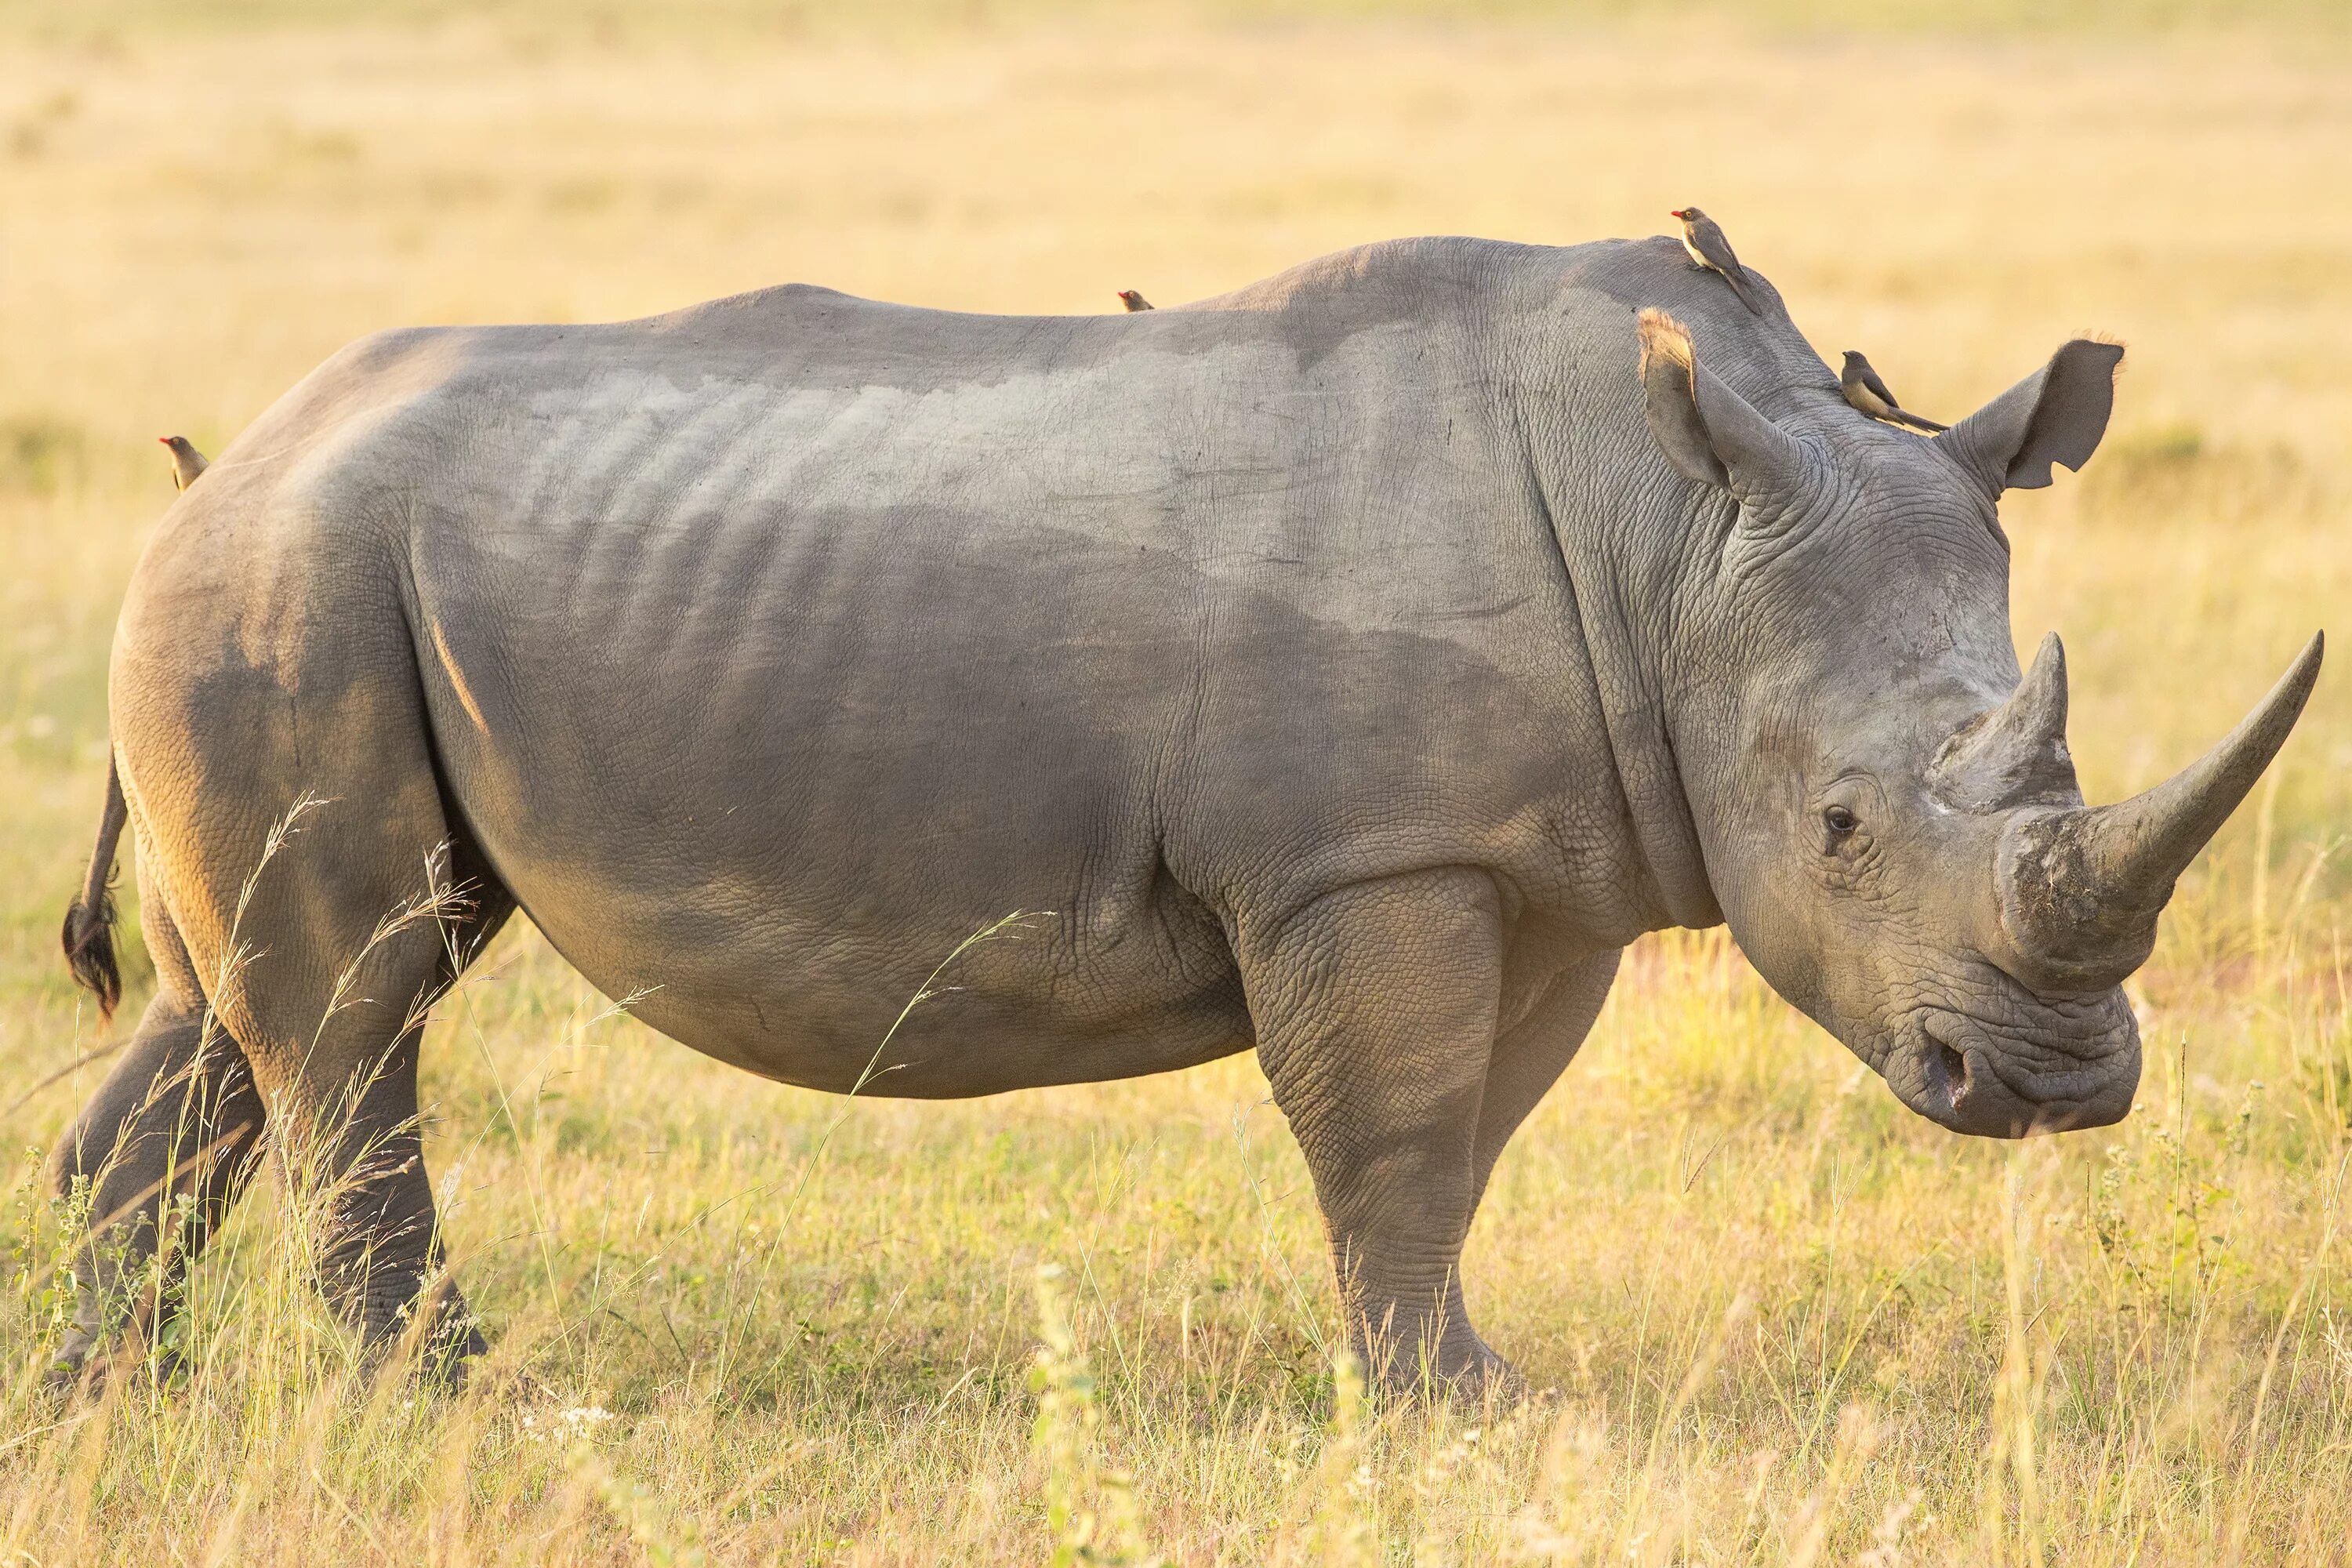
[(1769, 1315)]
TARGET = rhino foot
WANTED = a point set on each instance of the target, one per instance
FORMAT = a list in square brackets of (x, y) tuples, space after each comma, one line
[(1460, 1371), (80, 1368)]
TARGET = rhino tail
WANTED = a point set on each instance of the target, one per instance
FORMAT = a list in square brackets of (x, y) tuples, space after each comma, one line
[(89, 919)]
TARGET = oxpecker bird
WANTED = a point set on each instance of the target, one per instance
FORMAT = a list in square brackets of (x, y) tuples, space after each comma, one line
[(186, 462), (1867, 392), (1133, 300), (1704, 239)]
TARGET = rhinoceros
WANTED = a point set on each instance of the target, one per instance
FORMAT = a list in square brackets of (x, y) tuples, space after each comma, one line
[(1350, 667)]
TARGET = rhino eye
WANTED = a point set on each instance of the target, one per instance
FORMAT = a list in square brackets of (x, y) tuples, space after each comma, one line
[(1839, 821)]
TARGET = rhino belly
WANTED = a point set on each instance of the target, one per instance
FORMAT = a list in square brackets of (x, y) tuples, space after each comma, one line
[(798, 969), (768, 798)]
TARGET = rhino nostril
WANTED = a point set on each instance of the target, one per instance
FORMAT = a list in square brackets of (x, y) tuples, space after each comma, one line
[(1949, 1068), (1956, 1073)]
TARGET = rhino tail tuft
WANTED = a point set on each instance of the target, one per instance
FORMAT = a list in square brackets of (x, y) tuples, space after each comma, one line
[(88, 934)]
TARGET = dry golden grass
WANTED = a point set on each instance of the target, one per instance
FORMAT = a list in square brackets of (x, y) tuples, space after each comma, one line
[(1781, 1319)]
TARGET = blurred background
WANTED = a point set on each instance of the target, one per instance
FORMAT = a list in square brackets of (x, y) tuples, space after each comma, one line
[(201, 199)]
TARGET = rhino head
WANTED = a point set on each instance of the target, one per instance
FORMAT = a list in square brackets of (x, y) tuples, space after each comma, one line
[(1889, 813)]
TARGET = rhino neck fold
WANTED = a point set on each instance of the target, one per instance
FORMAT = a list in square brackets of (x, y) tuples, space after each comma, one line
[(1647, 768), (1627, 680)]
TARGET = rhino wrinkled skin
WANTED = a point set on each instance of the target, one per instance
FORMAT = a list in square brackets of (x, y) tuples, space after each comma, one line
[(1349, 668)]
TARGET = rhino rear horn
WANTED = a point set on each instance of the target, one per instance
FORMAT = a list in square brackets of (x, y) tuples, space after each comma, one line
[(2057, 414), (2016, 754), (2081, 889), (1710, 433)]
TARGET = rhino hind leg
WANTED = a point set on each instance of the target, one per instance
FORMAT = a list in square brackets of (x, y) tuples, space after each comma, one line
[(158, 1156), (1375, 1009), (341, 1071), (172, 1137), (288, 802)]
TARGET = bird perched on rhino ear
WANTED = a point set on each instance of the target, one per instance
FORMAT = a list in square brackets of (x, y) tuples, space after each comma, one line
[(1133, 300), (186, 462), (1867, 392), (1704, 239)]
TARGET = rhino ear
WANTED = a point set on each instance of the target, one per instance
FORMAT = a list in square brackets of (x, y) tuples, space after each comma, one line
[(1707, 431), (2054, 415)]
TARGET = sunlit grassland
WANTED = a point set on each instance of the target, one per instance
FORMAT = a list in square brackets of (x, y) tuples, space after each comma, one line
[(1773, 1314)]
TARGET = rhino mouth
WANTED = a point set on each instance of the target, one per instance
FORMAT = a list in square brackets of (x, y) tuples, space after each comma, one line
[(2079, 1069)]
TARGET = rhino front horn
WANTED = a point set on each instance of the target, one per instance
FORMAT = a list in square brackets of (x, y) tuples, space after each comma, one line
[(2081, 889)]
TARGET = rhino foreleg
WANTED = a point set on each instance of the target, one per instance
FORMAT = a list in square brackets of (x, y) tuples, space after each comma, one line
[(1530, 1055), (1375, 1009)]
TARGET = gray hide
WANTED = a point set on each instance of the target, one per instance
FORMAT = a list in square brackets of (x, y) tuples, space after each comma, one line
[(1348, 668)]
